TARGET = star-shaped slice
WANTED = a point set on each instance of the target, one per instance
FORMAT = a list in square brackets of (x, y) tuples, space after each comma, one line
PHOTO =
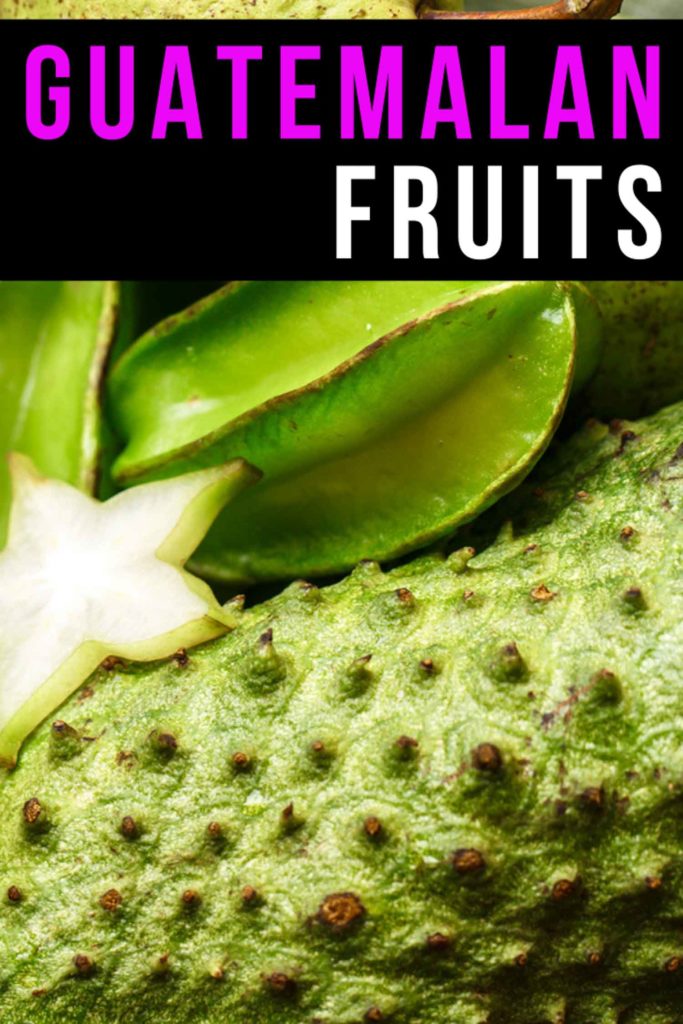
[(81, 580)]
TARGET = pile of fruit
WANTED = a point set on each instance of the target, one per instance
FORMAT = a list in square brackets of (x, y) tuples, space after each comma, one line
[(436, 776)]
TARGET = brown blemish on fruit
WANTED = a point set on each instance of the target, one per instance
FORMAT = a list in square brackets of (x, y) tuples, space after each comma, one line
[(85, 694), (563, 889), (181, 658), (373, 827), (582, 496), (215, 829), (653, 884), (162, 965), (487, 758), (125, 755), (63, 730), (627, 533), (438, 943), (318, 747), (32, 811), (111, 900), (341, 911), (605, 677), (468, 861), (281, 984), (190, 899), (167, 742), (405, 596), (427, 665), (249, 895), (635, 598), (627, 437), (542, 593), (111, 663), (129, 828), (241, 761), (374, 1015), (406, 747), (266, 638), (673, 964), (594, 959), (84, 965), (14, 895), (530, 548), (593, 798)]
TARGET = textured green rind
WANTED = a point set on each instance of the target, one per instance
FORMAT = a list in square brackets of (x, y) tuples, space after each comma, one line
[(229, 9), (588, 800), (641, 368)]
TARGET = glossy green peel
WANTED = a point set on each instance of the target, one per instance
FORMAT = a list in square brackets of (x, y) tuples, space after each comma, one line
[(382, 414), (55, 338), (82, 580), (447, 794)]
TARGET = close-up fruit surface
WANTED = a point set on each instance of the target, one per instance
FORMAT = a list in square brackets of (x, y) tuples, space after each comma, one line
[(232, 9), (447, 793), (442, 787), (368, 448)]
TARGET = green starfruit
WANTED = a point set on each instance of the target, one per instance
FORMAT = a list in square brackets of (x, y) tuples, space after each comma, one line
[(82, 580), (381, 413), (55, 338)]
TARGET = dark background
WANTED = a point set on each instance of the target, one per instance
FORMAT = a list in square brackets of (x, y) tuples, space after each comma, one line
[(221, 208)]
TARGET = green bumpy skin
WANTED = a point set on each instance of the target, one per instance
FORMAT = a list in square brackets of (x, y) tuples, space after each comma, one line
[(367, 448), (641, 368), (228, 9), (448, 794)]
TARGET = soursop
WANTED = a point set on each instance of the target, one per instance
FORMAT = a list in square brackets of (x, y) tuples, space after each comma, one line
[(447, 794)]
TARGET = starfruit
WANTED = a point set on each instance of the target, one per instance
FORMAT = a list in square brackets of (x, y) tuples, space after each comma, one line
[(82, 580), (55, 338), (382, 414)]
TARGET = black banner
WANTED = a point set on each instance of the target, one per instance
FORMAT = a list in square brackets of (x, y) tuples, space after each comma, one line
[(554, 151)]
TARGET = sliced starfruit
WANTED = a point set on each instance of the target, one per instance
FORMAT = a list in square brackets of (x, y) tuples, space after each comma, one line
[(55, 338), (82, 580), (381, 413)]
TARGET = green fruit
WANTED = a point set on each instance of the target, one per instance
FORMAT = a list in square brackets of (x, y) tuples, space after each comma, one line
[(81, 581), (448, 794), (381, 413), (562, 9), (229, 9), (145, 303), (641, 368), (55, 338)]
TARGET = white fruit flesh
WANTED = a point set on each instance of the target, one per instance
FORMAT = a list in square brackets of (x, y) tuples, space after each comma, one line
[(81, 580)]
